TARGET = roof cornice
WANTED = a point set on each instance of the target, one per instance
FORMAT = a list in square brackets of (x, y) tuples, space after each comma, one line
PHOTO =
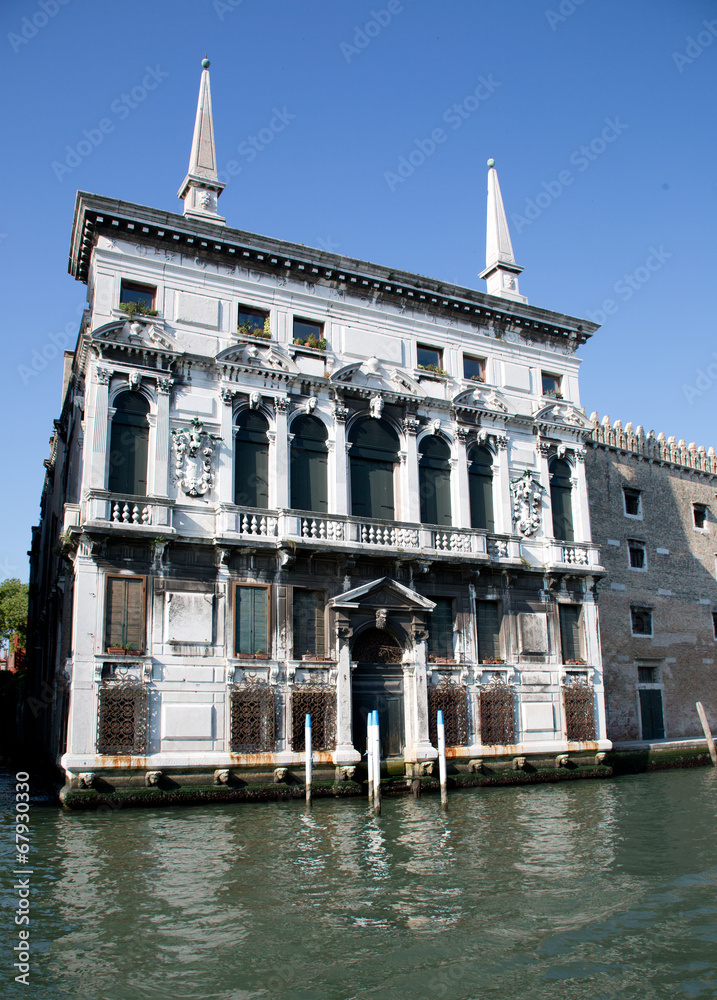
[(95, 214)]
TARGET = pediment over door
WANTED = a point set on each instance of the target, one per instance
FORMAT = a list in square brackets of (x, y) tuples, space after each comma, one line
[(381, 593)]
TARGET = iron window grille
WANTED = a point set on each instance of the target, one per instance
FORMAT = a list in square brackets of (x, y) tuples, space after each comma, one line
[(452, 701), (122, 719), (320, 704), (579, 710), (253, 728), (641, 621), (497, 719)]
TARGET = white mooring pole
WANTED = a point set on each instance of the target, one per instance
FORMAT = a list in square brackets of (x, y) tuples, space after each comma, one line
[(309, 757), (376, 766), (442, 758), (369, 755), (708, 732)]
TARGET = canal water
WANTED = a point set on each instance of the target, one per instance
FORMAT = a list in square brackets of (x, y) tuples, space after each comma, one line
[(586, 890)]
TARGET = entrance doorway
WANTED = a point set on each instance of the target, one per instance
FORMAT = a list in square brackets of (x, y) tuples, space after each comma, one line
[(377, 684)]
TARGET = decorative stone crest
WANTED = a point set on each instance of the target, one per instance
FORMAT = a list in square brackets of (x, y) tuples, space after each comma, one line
[(281, 404), (194, 448), (341, 412), (411, 425), (104, 375), (526, 497), (164, 385), (227, 395)]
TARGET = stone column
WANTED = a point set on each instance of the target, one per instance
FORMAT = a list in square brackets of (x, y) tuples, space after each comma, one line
[(339, 468), (581, 511), (460, 489), (279, 470), (225, 456), (100, 430), (503, 504), (345, 752), (546, 528), (161, 439), (418, 704), (410, 509)]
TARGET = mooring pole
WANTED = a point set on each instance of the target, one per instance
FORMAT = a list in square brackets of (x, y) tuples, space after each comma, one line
[(442, 758), (376, 766), (708, 732), (309, 757), (369, 755)]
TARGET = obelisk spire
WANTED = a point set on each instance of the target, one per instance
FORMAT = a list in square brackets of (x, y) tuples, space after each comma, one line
[(201, 187), (501, 272)]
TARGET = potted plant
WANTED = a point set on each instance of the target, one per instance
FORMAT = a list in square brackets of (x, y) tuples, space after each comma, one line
[(137, 309), (493, 660), (121, 649), (248, 329), (312, 341), (433, 369), (579, 662)]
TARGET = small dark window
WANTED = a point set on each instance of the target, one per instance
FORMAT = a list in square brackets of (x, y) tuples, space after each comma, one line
[(570, 632), (129, 444), (429, 357), (308, 615), (251, 626), (253, 322), (480, 486), (308, 465), (372, 459), (124, 614), (699, 514), (641, 621), (434, 477), (488, 621), (551, 385), (647, 675), (561, 500), (251, 460), (440, 628), (633, 503), (714, 624), (474, 368), (636, 552), (308, 333), (141, 295)]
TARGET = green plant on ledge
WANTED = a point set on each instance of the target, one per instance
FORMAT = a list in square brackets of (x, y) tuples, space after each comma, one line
[(137, 309), (248, 329), (318, 343), (434, 369), (554, 393)]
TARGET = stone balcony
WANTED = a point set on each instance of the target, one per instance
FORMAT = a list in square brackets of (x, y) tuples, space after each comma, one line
[(229, 525)]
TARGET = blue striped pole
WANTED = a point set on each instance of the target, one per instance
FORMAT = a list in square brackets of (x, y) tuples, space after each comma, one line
[(442, 758), (376, 766), (309, 757)]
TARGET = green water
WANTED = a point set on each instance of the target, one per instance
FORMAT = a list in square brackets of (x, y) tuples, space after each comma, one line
[(590, 890)]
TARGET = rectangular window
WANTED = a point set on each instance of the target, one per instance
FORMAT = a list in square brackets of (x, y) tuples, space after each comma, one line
[(641, 621), (570, 638), (637, 554), (429, 358), (251, 620), (714, 624), (488, 621), (552, 385), (474, 368), (308, 615), (141, 296), (647, 675), (699, 515), (124, 613), (633, 503), (253, 322), (309, 334), (440, 629)]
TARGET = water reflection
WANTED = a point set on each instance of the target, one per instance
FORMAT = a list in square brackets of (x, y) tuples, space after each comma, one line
[(584, 891)]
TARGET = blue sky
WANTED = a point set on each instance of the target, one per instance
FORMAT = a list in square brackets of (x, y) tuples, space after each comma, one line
[(599, 114)]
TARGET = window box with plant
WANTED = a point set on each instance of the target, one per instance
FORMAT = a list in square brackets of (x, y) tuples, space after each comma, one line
[(312, 341), (258, 655), (441, 659), (432, 370), (578, 662), (307, 333), (125, 650), (137, 309), (137, 300), (253, 323), (494, 660)]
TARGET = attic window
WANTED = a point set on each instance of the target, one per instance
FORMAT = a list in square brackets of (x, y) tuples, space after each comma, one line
[(252, 322), (134, 293), (551, 385), (474, 368), (699, 515)]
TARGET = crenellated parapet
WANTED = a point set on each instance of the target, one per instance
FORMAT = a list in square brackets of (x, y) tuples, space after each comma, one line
[(652, 447)]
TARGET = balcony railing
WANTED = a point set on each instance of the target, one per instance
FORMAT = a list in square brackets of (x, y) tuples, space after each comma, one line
[(228, 523)]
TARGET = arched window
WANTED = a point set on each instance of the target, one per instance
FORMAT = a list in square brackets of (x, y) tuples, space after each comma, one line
[(129, 439), (434, 474), (480, 484), (561, 500), (372, 458), (308, 465), (251, 460)]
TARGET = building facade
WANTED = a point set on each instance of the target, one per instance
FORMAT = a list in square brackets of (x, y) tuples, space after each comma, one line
[(284, 481), (653, 511)]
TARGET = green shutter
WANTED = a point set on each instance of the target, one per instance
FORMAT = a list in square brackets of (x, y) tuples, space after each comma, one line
[(129, 443), (124, 613), (434, 474), (251, 620), (561, 501), (653, 726), (372, 458), (251, 461), (488, 621), (480, 485), (440, 628), (308, 617), (570, 631)]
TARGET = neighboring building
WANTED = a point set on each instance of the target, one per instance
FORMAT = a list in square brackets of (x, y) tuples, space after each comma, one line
[(653, 511), (284, 481)]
